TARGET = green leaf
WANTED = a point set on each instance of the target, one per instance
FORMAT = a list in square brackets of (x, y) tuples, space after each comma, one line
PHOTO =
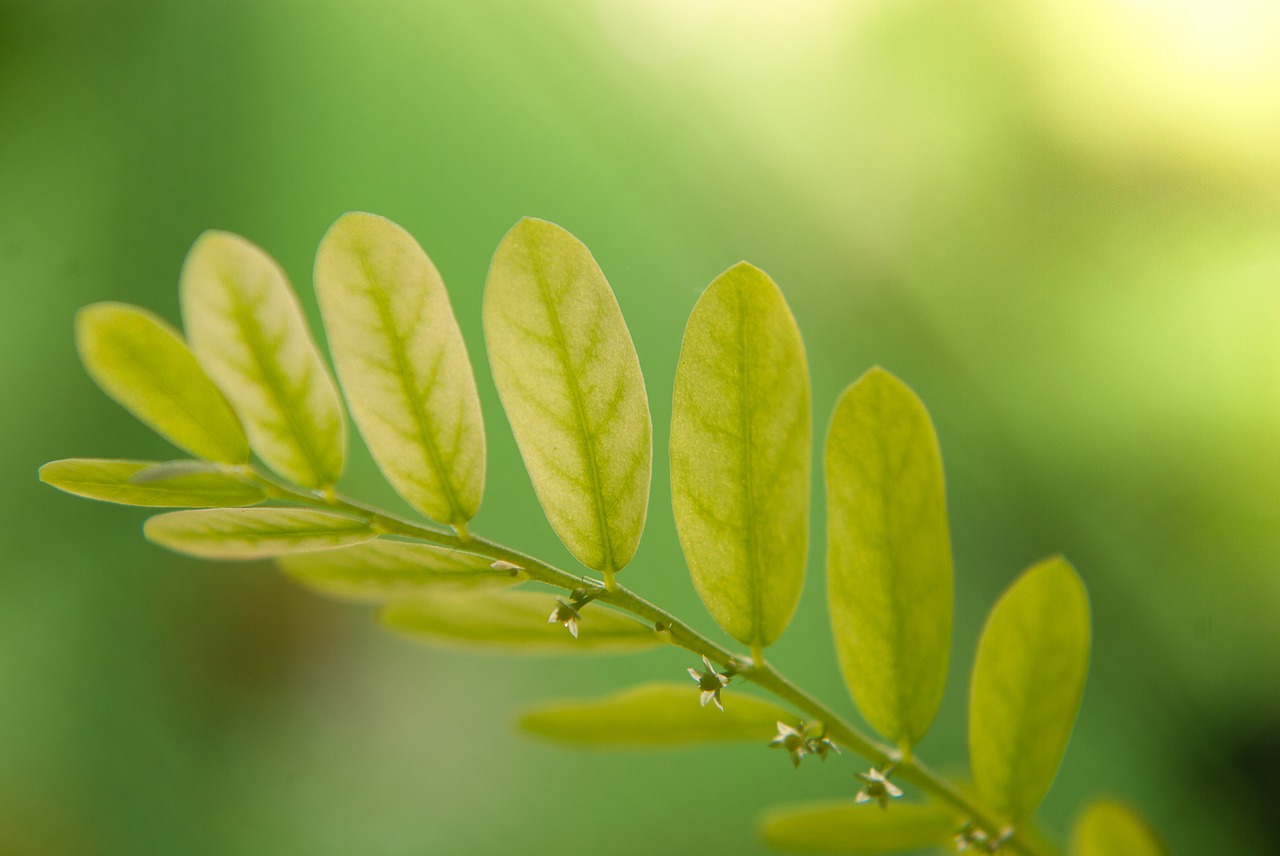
[(403, 365), (889, 575), (741, 442), (569, 379), (151, 483), (255, 533), (1111, 828), (655, 715), (142, 363), (248, 331), (382, 569), (515, 620), (847, 828), (1027, 682)]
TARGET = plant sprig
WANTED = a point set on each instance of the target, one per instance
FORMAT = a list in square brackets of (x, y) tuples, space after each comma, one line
[(254, 382)]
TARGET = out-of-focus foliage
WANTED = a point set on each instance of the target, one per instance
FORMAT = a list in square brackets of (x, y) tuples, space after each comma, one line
[(514, 622), (1074, 262), (382, 569), (654, 716), (844, 827)]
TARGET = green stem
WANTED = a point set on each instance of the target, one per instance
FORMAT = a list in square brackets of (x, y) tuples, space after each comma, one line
[(762, 674)]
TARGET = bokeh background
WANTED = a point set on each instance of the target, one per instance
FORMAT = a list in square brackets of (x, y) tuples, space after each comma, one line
[(1060, 222)]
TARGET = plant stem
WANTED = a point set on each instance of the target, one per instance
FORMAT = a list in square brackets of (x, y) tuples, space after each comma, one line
[(762, 674)]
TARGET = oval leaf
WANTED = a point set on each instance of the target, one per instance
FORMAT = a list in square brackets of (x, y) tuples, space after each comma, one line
[(248, 331), (254, 533), (858, 830), (655, 715), (1027, 682), (741, 442), (1111, 828), (568, 376), (403, 365), (142, 363), (515, 620), (145, 483), (382, 569), (889, 573)]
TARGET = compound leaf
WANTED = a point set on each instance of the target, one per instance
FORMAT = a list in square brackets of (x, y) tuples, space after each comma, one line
[(248, 331), (403, 364), (142, 363), (741, 441), (1028, 679), (254, 533), (515, 621), (383, 569), (889, 571), (151, 483), (661, 714), (1111, 828), (570, 382), (857, 830)]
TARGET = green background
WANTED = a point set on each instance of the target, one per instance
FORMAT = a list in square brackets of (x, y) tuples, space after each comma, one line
[(1060, 223)]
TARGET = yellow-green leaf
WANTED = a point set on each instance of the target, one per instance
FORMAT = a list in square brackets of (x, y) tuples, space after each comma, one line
[(741, 442), (403, 365), (656, 715), (248, 331), (857, 830), (516, 621), (889, 573), (143, 364), (1111, 828), (383, 569), (570, 381), (255, 533), (1027, 682), (148, 483)]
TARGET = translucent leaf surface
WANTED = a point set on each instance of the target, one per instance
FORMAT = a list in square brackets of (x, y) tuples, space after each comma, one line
[(858, 830), (741, 442), (515, 620), (889, 572), (403, 365), (384, 569), (656, 715), (249, 333), (254, 533), (1027, 682), (1111, 828), (143, 364), (569, 379), (143, 483)]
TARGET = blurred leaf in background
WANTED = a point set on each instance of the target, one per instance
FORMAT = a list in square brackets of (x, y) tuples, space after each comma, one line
[(1058, 223)]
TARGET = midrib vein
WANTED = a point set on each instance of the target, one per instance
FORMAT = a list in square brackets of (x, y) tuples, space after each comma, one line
[(749, 530), (407, 376), (579, 405)]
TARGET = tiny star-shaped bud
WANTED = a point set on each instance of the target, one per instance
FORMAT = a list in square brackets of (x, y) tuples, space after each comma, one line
[(821, 745), (876, 786), (566, 614), (970, 837), (710, 682), (792, 740)]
